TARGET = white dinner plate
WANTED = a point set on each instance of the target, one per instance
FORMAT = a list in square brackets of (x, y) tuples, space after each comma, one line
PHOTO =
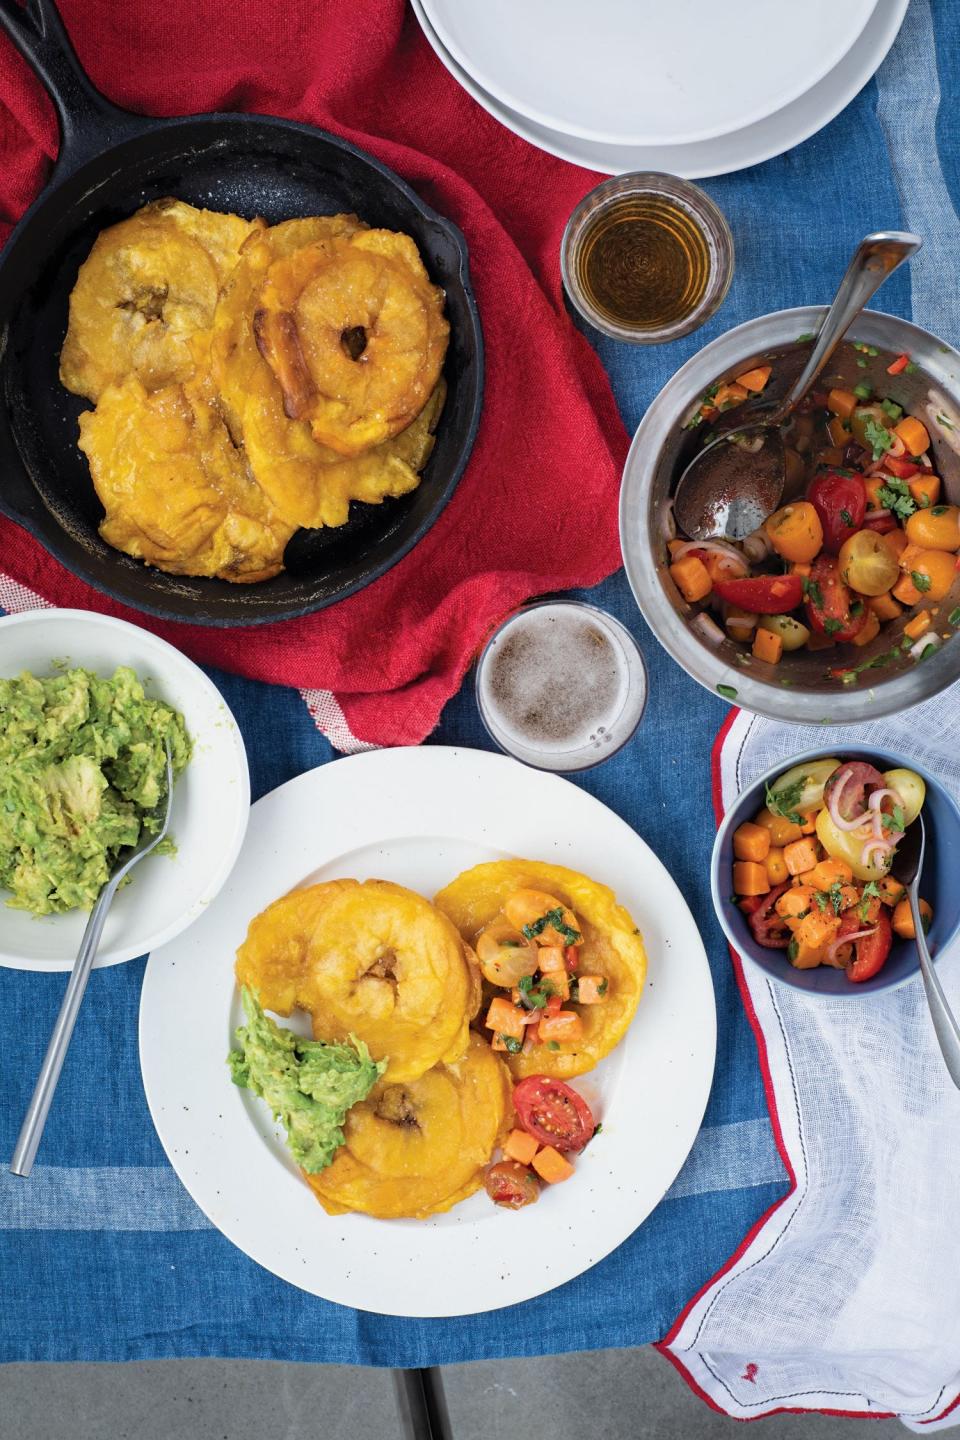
[(211, 799), (625, 73), (779, 132), (419, 817)]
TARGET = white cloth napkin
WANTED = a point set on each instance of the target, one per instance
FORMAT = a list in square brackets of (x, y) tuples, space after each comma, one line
[(847, 1297)]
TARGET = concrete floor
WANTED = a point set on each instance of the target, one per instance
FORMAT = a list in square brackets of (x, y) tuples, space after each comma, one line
[(609, 1394)]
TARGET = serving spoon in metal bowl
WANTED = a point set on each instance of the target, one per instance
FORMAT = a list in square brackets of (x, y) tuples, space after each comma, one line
[(737, 479), (35, 1119), (907, 866)]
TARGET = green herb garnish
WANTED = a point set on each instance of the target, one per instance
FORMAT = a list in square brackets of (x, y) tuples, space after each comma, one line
[(954, 617), (895, 495), (812, 592), (831, 626), (894, 821), (785, 802), (553, 1045), (870, 892), (511, 1044), (793, 950), (878, 437), (805, 337), (727, 691), (847, 518), (836, 897), (921, 581), (554, 918), (910, 368)]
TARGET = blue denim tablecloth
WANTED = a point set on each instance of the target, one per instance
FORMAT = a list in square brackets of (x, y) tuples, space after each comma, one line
[(103, 1256)]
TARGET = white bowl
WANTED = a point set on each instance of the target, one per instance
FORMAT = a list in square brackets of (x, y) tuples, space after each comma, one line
[(211, 800)]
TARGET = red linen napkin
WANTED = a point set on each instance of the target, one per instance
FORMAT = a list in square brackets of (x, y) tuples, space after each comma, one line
[(536, 509)]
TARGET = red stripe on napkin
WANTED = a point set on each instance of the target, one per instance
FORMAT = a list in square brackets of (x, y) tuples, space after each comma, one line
[(537, 508)]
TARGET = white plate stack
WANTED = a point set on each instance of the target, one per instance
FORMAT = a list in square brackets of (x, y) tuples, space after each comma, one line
[(690, 88)]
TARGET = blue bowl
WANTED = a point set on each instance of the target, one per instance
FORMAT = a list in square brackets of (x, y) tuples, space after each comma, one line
[(938, 882)]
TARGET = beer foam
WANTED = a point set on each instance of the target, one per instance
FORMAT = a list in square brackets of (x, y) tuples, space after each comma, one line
[(555, 679)]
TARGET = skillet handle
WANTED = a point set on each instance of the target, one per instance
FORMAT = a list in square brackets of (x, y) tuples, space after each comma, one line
[(88, 121)]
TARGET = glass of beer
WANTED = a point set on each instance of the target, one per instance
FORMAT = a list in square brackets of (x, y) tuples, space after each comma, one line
[(561, 685), (646, 257)]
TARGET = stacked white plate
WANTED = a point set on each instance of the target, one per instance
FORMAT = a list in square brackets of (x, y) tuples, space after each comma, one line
[(690, 88)]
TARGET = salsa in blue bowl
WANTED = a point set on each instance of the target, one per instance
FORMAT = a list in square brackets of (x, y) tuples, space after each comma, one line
[(938, 881)]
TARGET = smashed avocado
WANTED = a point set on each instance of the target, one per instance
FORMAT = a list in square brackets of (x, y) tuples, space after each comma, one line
[(82, 772), (308, 1084)]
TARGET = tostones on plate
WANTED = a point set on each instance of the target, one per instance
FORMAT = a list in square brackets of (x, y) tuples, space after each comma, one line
[(564, 961), (370, 959), (418, 1148)]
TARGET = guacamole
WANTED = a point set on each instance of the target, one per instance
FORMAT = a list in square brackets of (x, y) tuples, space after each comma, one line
[(82, 772), (308, 1085)]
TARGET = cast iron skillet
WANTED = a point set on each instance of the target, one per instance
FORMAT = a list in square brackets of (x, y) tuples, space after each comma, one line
[(110, 163)]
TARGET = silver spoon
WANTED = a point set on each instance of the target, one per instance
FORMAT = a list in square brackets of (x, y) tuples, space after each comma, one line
[(907, 867), (35, 1119), (737, 479)]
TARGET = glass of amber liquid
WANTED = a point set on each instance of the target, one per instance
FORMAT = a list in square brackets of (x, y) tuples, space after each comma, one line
[(646, 257)]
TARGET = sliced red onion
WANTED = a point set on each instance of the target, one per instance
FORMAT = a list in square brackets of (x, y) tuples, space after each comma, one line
[(708, 629), (876, 514), (833, 804), (875, 802), (835, 945), (718, 547), (882, 847)]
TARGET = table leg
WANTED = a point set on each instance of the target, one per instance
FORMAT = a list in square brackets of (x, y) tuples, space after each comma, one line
[(421, 1403)]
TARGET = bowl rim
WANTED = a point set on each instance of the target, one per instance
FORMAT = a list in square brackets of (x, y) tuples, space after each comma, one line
[(783, 975), (791, 704), (230, 736)]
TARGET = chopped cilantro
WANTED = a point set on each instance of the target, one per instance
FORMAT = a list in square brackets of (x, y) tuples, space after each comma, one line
[(954, 617), (878, 437), (870, 892), (552, 1045), (822, 899), (947, 424), (511, 1044), (895, 495), (533, 996), (509, 944), (910, 368), (812, 592), (836, 897), (872, 350), (939, 509), (831, 626), (856, 608), (847, 518), (894, 821), (793, 949), (921, 581), (862, 364), (603, 987), (554, 918), (784, 802), (597, 1128), (727, 691)]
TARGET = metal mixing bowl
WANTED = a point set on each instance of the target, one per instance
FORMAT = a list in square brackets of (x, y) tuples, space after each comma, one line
[(800, 687)]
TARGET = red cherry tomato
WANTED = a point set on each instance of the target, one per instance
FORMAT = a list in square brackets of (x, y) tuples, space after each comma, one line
[(750, 903), (511, 1184), (767, 926), (762, 595), (553, 1113), (841, 503), (902, 469), (872, 950), (858, 781), (829, 601)]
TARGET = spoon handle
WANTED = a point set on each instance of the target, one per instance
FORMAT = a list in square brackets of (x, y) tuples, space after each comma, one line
[(944, 1023), (35, 1119), (876, 257)]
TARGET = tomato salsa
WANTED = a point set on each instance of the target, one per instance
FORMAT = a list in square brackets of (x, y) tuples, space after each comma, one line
[(811, 871), (867, 537)]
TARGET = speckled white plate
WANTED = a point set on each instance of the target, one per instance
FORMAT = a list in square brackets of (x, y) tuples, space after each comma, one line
[(419, 817)]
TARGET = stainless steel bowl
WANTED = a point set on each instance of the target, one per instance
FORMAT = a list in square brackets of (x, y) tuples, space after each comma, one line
[(799, 688)]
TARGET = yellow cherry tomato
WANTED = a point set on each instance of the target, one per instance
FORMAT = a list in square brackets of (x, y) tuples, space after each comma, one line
[(937, 528), (795, 531), (505, 955), (912, 791), (867, 564), (938, 568)]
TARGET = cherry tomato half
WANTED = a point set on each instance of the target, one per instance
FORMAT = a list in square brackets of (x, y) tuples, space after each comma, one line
[(762, 595), (553, 1113), (841, 503), (767, 926), (511, 1184), (829, 601), (855, 782), (872, 950)]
